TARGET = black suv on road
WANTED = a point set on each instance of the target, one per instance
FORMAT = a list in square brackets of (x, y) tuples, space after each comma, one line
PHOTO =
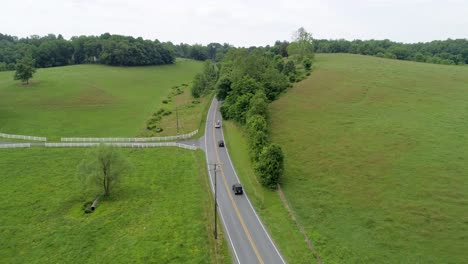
[(237, 188)]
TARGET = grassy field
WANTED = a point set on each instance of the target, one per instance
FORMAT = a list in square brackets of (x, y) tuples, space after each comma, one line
[(188, 113), (88, 100), (162, 213), (267, 203), (376, 159)]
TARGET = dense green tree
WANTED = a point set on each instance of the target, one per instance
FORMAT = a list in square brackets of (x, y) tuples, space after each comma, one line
[(278, 62), (223, 87), (25, 69), (273, 82), (246, 85), (302, 47), (198, 52), (280, 48), (226, 106), (270, 166), (257, 130), (289, 68), (237, 111), (258, 105)]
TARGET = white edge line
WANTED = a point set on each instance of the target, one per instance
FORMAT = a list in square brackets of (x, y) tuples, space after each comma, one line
[(248, 200), (212, 186)]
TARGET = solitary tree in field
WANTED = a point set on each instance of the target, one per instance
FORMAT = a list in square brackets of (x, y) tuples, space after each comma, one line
[(25, 69), (103, 168)]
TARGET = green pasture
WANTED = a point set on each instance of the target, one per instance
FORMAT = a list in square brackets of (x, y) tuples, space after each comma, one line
[(376, 159), (88, 100), (161, 213)]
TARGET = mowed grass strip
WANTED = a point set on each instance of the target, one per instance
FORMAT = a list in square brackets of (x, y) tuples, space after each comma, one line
[(376, 159), (159, 214), (88, 100)]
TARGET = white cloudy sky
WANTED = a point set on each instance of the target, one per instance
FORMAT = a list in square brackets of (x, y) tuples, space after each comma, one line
[(239, 22)]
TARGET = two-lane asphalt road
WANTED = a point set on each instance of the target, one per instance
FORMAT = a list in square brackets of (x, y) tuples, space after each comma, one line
[(250, 242)]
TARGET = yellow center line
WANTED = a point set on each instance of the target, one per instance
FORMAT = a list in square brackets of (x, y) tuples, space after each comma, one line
[(249, 237)]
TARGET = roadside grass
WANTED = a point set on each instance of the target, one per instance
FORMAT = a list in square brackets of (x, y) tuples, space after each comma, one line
[(88, 100), (161, 213), (267, 203), (376, 159)]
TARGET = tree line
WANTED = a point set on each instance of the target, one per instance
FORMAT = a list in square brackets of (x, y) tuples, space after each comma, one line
[(450, 51), (52, 50), (212, 51), (247, 80)]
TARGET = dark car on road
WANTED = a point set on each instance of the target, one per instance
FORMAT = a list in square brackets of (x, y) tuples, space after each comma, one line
[(237, 188), (221, 143)]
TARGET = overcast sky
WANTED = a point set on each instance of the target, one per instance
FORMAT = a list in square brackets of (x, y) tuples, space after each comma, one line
[(239, 22)]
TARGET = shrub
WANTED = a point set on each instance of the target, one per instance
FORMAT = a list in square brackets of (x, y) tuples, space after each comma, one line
[(307, 64), (151, 126), (166, 113), (289, 68), (165, 101), (270, 166), (292, 78), (258, 105)]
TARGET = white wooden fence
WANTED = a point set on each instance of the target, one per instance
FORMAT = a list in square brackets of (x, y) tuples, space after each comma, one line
[(123, 145), (16, 145), (146, 139), (23, 137)]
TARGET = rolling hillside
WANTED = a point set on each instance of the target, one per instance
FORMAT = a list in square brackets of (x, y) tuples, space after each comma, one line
[(376, 159), (88, 100)]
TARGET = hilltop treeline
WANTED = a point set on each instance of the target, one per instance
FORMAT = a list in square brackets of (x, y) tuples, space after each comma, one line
[(450, 51), (52, 50), (212, 51)]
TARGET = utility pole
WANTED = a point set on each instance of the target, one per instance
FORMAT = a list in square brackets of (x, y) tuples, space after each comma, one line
[(216, 166), (177, 116), (215, 205)]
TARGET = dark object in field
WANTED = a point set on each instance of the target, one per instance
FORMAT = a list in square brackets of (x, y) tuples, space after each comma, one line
[(87, 208), (221, 143), (95, 204), (237, 188)]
